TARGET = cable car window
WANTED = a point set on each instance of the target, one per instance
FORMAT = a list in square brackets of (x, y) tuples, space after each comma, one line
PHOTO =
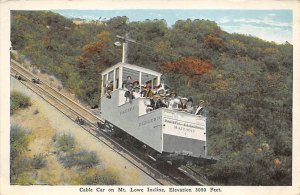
[(104, 80), (110, 77)]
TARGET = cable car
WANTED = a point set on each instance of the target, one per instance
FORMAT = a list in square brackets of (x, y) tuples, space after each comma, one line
[(171, 133)]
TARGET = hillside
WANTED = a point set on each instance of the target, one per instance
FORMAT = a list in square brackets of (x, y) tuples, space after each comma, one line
[(247, 90)]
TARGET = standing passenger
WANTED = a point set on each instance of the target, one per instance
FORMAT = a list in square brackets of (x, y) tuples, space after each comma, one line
[(127, 82)]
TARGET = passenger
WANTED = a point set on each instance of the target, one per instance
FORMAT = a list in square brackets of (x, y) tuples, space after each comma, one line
[(135, 83), (144, 91), (149, 93), (189, 105), (158, 102), (129, 93), (152, 101), (108, 89), (178, 102), (127, 82), (172, 104), (136, 92), (166, 100), (200, 108), (183, 102)]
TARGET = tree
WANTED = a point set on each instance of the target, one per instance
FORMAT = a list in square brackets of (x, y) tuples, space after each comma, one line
[(190, 67)]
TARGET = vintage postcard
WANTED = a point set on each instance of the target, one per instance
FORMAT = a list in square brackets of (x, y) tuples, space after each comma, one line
[(158, 97)]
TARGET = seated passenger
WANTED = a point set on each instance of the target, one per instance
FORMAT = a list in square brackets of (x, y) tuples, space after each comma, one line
[(172, 103), (149, 93), (129, 93), (135, 83), (200, 108), (136, 92), (183, 102), (144, 91), (189, 105), (165, 101), (159, 103)]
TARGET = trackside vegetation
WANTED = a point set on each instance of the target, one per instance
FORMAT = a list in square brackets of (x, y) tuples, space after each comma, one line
[(18, 101), (85, 162)]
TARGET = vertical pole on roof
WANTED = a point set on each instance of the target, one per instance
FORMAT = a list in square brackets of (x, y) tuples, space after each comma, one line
[(120, 76), (158, 80), (125, 48), (114, 82), (102, 86)]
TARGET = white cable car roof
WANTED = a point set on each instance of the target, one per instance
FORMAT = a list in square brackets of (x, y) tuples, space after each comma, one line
[(132, 67)]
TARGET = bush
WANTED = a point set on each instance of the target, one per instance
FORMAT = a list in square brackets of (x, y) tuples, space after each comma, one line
[(64, 142), (19, 166), (19, 140), (86, 159), (82, 159), (101, 178), (68, 157), (38, 161), (17, 101)]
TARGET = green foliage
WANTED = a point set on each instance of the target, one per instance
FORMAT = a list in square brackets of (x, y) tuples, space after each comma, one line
[(69, 157), (38, 161), (83, 159), (64, 142), (248, 92), (102, 178), (18, 101), (21, 166), (19, 140)]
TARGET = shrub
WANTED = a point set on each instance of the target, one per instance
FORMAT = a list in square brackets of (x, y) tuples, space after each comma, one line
[(17, 101), (82, 159), (38, 161), (19, 140), (64, 142), (19, 166), (86, 159), (101, 178)]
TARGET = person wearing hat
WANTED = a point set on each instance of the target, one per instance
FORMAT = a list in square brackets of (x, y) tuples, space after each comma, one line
[(172, 101), (129, 93), (135, 83), (136, 91), (143, 91), (200, 108), (108, 89), (149, 91), (183, 102), (189, 105)]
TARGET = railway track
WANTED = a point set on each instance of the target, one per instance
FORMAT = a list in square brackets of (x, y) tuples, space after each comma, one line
[(163, 174)]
